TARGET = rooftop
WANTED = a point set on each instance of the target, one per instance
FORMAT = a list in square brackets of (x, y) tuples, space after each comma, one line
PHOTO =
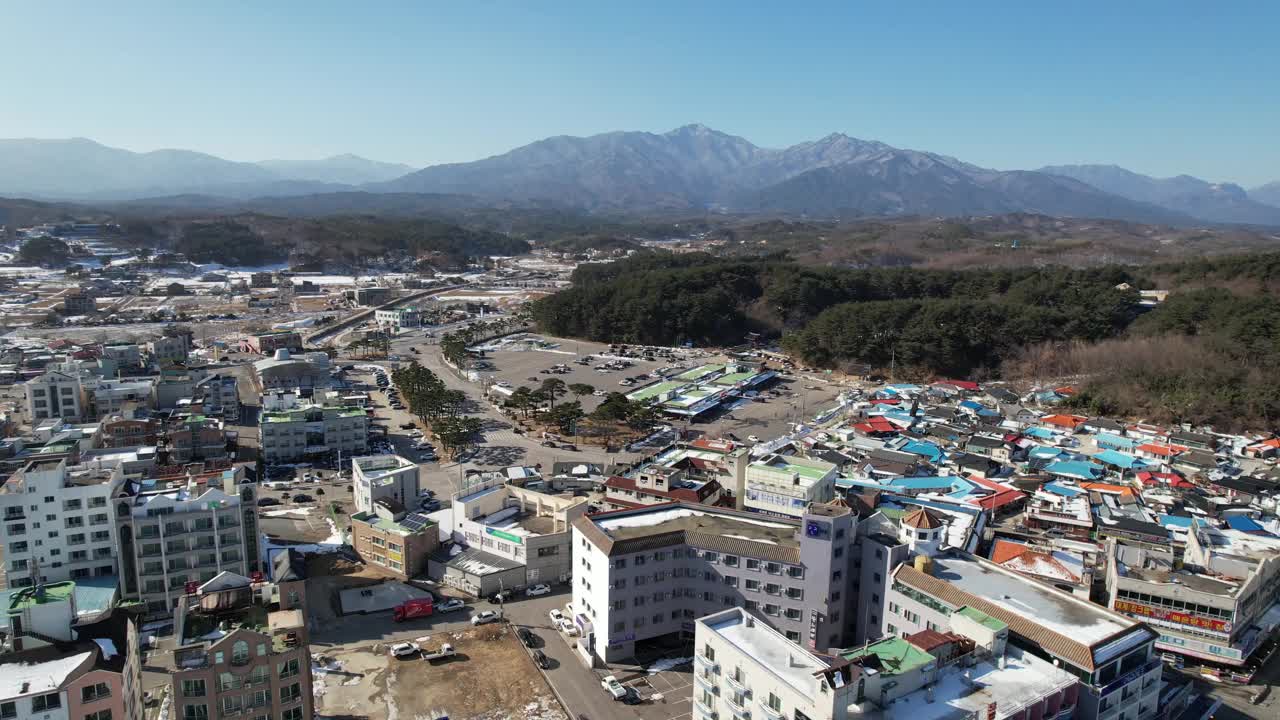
[(673, 523), (408, 525), (28, 675), (39, 595), (808, 469), (377, 466), (895, 655), (787, 661)]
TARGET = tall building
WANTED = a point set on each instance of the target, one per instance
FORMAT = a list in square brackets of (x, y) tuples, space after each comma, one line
[(240, 652), (787, 484), (187, 531), (384, 477), (1111, 655), (55, 394), (649, 573), (295, 433), (57, 521)]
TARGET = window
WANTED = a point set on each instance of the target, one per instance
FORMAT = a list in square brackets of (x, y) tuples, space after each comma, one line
[(195, 712), (291, 693), (731, 581), (619, 626), (192, 688), (894, 608), (753, 585), (774, 702), (227, 681), (639, 560), (773, 588), (657, 619), (794, 637), (288, 669), (95, 692), (711, 557), (45, 703), (637, 622), (232, 705), (891, 629), (771, 610), (792, 614), (731, 560), (709, 652), (753, 564), (292, 714), (8, 710)]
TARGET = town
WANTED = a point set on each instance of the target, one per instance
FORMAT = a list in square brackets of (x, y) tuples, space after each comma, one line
[(275, 493)]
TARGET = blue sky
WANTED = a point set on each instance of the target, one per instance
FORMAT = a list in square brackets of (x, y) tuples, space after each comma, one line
[(1161, 88)]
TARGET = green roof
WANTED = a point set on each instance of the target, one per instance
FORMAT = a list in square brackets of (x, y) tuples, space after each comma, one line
[(380, 523), (982, 618), (789, 465), (896, 655), (654, 390), (733, 378), (52, 592), (699, 372)]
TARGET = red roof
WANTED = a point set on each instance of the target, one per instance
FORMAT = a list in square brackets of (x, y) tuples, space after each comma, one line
[(887, 401), (962, 384), (1170, 479), (1004, 495), (685, 494), (875, 425), (715, 445), (1067, 421), (1163, 450)]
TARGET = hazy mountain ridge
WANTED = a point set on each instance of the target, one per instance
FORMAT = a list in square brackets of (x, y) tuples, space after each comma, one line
[(1217, 202)]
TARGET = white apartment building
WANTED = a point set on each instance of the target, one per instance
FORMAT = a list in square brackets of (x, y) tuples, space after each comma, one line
[(220, 395), (186, 532), (57, 521), (384, 477), (396, 319), (295, 433), (55, 394), (787, 485)]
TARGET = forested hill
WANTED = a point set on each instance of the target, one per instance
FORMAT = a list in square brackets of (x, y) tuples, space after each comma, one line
[(1210, 353), (946, 321)]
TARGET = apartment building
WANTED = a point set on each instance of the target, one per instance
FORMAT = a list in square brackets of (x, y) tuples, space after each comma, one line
[(187, 531), (657, 484), (383, 477), (220, 395), (57, 521), (786, 484), (97, 677), (238, 654), (268, 343), (196, 438), (651, 572), (1111, 655), (284, 371), (295, 433), (394, 541), (1219, 604), (120, 431), (113, 397), (170, 348), (396, 319), (744, 668), (55, 394)]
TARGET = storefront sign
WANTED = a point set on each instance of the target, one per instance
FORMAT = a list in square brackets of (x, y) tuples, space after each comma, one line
[(1173, 616), (515, 539)]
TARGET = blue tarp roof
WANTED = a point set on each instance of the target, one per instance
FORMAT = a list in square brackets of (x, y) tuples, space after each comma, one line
[(1244, 523), (1115, 442), (1063, 490), (1119, 459), (1039, 432), (922, 448), (1076, 469)]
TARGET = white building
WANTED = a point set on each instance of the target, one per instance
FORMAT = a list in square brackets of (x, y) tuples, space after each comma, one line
[(396, 319), (786, 485), (57, 518), (55, 395), (111, 397), (295, 433), (384, 477)]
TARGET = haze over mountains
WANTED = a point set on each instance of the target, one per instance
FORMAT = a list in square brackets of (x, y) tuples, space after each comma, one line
[(690, 168)]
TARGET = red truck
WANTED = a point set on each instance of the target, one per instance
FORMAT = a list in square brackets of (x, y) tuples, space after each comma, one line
[(410, 609)]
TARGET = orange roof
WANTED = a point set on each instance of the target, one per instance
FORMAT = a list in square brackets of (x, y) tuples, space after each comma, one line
[(1003, 550), (1166, 450), (922, 519), (1107, 487), (1067, 421)]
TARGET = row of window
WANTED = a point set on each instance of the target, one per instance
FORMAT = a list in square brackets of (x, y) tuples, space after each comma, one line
[(1178, 605), (712, 557)]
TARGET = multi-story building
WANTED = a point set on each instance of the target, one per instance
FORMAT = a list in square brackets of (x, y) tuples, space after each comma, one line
[(517, 536), (295, 433), (126, 355), (55, 394), (394, 541), (196, 438), (657, 484), (78, 302), (383, 477), (786, 484), (186, 532), (1111, 655), (57, 521), (744, 668), (1220, 603), (113, 397), (283, 371), (396, 319), (220, 395), (262, 280), (119, 431), (172, 347), (268, 343), (94, 677), (650, 572), (368, 296), (239, 653)]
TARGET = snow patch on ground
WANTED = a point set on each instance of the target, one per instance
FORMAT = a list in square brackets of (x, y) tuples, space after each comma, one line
[(668, 664)]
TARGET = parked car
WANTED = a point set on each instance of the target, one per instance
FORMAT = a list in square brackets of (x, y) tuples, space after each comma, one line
[(536, 590), (404, 649), (753, 438), (450, 605), (484, 618), (267, 502), (568, 628), (303, 498), (527, 637), (548, 443), (632, 697), (613, 687), (541, 658), (406, 426), (556, 616)]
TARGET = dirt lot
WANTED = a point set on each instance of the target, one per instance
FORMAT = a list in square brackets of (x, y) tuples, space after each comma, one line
[(491, 678)]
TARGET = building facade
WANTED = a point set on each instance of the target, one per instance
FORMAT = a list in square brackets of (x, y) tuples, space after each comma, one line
[(294, 434), (393, 541), (55, 395), (786, 485), (383, 477)]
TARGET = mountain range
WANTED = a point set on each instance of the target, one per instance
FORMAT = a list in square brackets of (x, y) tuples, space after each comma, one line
[(691, 168)]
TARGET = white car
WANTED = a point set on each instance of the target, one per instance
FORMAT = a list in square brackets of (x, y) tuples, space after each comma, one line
[(556, 616), (536, 590), (404, 649), (598, 393), (567, 627), (451, 605), (753, 438), (484, 618), (613, 687)]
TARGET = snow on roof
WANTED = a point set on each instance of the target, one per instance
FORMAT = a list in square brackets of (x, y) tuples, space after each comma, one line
[(786, 660), (19, 679), (657, 517)]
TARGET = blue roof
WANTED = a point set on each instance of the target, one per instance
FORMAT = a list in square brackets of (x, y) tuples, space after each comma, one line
[(1244, 523), (944, 482), (1115, 442), (1039, 432), (1063, 490), (922, 448), (1177, 521), (1045, 453), (96, 594), (1119, 459), (1076, 469), (971, 405)]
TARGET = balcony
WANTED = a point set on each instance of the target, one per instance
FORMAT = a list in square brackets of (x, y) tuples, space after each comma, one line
[(707, 682), (739, 705), (737, 685), (769, 712), (709, 664), (704, 710)]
